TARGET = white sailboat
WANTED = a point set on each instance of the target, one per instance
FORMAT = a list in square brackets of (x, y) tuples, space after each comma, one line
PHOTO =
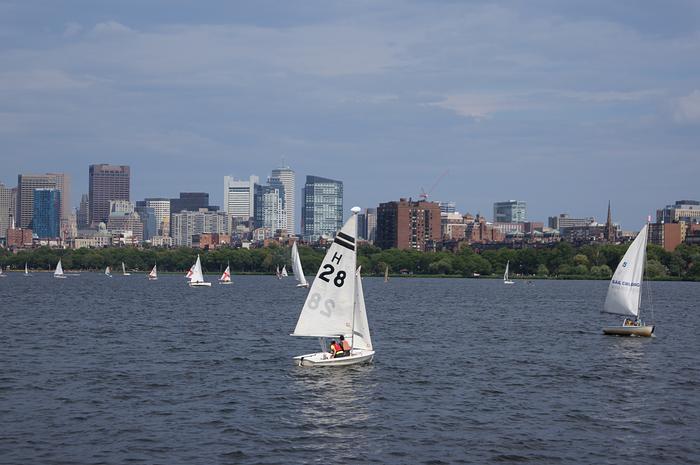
[(296, 267), (2, 275), (58, 273), (505, 275), (124, 273), (26, 269), (189, 272), (108, 272), (197, 276), (625, 290), (226, 276), (386, 274), (153, 275), (277, 272), (284, 273), (335, 305)]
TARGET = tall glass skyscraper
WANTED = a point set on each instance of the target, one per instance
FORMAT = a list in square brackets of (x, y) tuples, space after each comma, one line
[(106, 183), (46, 221), (511, 211), (285, 176), (322, 210)]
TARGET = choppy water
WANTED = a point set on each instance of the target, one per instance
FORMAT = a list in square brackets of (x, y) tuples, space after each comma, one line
[(122, 370)]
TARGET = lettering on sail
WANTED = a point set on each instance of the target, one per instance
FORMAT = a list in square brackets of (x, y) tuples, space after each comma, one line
[(625, 283)]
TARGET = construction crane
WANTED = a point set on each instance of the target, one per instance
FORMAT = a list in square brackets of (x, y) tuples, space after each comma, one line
[(424, 195)]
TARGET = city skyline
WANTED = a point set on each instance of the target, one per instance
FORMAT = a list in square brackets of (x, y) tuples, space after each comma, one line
[(563, 106)]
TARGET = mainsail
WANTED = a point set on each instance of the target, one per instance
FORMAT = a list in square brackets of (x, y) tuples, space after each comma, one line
[(625, 290), (360, 330), (197, 276), (328, 310), (296, 266)]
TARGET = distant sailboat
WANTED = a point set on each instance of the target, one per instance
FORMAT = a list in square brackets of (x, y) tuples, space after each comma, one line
[(124, 273), (284, 273), (386, 274), (197, 276), (2, 275), (625, 290), (58, 273), (108, 272), (189, 272), (505, 275), (277, 272), (296, 267), (226, 276), (335, 305), (26, 269), (153, 275)]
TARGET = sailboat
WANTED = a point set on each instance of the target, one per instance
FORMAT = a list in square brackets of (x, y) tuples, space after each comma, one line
[(226, 276), (505, 275), (189, 272), (124, 273), (197, 276), (153, 275), (2, 275), (386, 274), (296, 267), (625, 290), (108, 272), (277, 272), (284, 273), (335, 305), (58, 273), (26, 269)]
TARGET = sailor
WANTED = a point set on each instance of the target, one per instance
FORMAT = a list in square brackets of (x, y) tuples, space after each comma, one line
[(345, 345), (336, 350)]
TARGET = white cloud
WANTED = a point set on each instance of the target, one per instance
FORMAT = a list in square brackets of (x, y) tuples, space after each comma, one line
[(111, 27), (687, 108)]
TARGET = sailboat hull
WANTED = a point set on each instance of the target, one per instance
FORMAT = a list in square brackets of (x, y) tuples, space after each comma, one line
[(225, 282), (303, 285), (200, 284), (642, 331), (323, 359), (508, 282)]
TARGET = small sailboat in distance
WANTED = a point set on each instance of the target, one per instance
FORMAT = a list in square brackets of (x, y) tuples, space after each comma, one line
[(625, 291), (153, 275), (108, 272), (296, 267), (277, 272), (26, 269), (226, 276), (197, 276), (58, 272), (124, 273), (505, 275), (335, 305), (2, 275), (284, 273), (386, 274)]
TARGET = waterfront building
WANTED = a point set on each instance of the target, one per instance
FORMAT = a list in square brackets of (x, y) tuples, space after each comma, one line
[(286, 176), (26, 183), (564, 221), (161, 210), (667, 235), (82, 214), (149, 219), (239, 196), (125, 222), (408, 225), (5, 210), (322, 208), (46, 218), (510, 211), (19, 238), (687, 211), (106, 183), (269, 210), (186, 224)]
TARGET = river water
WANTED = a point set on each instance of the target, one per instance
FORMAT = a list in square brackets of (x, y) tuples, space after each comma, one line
[(113, 371)]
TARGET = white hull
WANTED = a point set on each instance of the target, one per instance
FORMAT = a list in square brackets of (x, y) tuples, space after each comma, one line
[(60, 276), (126, 274), (225, 282), (642, 331), (201, 284), (323, 359), (303, 285), (508, 282), (152, 279)]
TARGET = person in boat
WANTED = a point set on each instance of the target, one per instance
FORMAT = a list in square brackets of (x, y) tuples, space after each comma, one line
[(336, 350), (345, 345)]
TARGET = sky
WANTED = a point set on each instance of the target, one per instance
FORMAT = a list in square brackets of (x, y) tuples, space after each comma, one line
[(563, 105)]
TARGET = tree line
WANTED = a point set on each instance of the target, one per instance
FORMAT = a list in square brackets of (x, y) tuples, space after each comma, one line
[(560, 261)]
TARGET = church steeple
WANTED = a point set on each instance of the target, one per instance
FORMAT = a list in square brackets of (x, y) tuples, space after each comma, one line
[(609, 230)]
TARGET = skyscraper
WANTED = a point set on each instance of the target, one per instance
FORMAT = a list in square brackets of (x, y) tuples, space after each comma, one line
[(239, 196), (269, 210), (5, 209), (106, 183), (82, 214), (408, 225), (511, 211), (322, 210), (161, 210), (26, 183), (46, 218), (287, 178)]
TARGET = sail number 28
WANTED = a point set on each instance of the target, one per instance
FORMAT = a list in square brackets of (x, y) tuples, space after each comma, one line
[(339, 279)]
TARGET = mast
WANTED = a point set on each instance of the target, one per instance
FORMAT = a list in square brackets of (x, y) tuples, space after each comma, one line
[(644, 262)]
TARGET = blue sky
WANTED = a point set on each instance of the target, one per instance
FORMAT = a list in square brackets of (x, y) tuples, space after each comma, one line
[(564, 105)]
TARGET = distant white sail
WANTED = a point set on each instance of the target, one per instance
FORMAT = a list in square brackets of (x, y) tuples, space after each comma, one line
[(154, 273), (108, 271), (284, 273), (360, 330), (197, 276), (226, 276), (625, 290), (296, 267), (58, 273), (124, 270)]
